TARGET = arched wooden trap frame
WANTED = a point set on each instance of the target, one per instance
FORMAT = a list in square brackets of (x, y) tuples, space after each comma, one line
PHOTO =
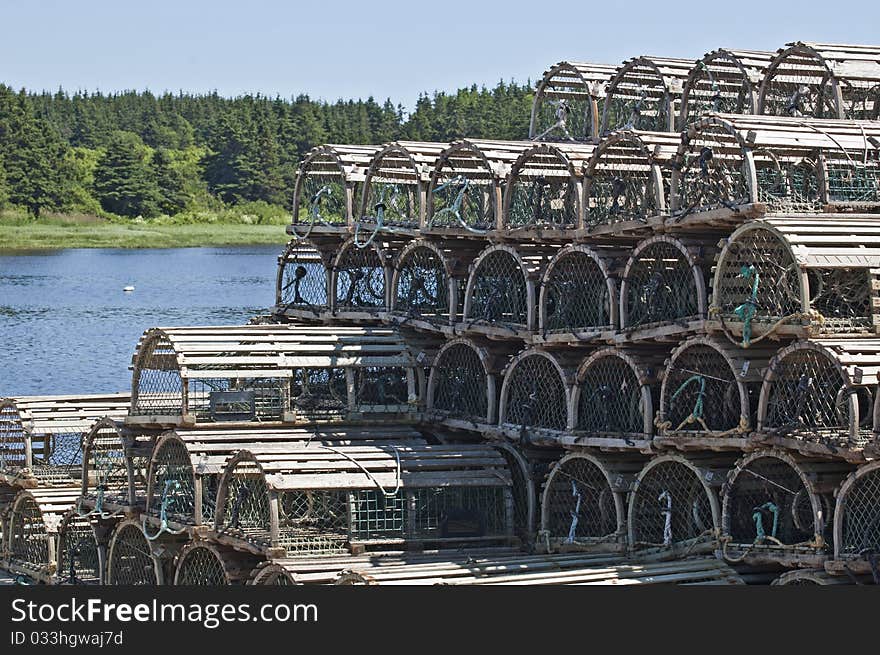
[(645, 94), (568, 102), (544, 194), (467, 186), (823, 80), (395, 190), (578, 298), (35, 519), (361, 278), (813, 577), (857, 522), (427, 286), (80, 560), (114, 468), (501, 294), (522, 471), (324, 500), (536, 395), (789, 276), (628, 181), (130, 558), (271, 373), (614, 397), (724, 81), (271, 574), (709, 394), (41, 436), (777, 507), (303, 283), (583, 506), (463, 384), (205, 564), (326, 195), (819, 397), (674, 504), (727, 162), (664, 286)]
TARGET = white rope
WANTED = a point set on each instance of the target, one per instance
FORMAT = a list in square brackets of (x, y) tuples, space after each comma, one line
[(372, 478), (667, 513)]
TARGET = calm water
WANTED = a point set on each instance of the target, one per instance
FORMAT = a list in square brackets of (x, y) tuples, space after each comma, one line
[(66, 326)]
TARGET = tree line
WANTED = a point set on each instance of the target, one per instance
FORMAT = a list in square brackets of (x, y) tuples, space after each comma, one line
[(136, 154)]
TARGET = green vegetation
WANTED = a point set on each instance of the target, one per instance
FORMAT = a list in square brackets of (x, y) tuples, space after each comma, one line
[(133, 169)]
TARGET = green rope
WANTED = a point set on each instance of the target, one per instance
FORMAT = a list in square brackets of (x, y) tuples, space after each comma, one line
[(749, 308), (163, 512), (758, 517), (697, 411)]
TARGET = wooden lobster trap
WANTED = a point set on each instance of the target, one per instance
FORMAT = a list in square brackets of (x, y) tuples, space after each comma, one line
[(820, 397), (271, 374), (674, 508), (80, 557), (645, 94), (467, 186), (583, 506), (395, 195), (613, 399), (536, 395), (663, 290), (857, 524), (205, 564), (330, 500), (35, 519), (709, 395), (823, 80), (328, 186), (730, 168), (303, 283), (568, 102), (544, 194), (798, 277), (501, 297), (627, 184), (361, 280), (41, 437), (777, 508), (578, 296), (724, 81), (135, 560)]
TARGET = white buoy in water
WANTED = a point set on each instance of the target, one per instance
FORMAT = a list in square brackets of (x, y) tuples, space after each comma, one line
[(128, 289)]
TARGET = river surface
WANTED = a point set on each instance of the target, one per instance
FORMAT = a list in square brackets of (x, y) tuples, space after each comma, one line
[(67, 326)]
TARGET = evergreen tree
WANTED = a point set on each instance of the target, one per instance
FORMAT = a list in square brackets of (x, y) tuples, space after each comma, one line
[(125, 183), (170, 182)]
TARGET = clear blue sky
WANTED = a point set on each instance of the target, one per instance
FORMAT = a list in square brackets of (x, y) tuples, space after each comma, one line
[(333, 49)]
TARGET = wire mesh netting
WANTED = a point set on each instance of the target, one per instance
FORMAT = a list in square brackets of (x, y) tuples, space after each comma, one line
[(498, 291), (523, 493), (579, 505), (568, 116), (173, 482), (536, 395), (302, 279), (28, 539), (701, 392), (719, 84), (77, 553), (131, 561), (57, 456), (238, 399), (12, 438), (621, 185), (637, 100), (158, 387), (392, 203), (610, 399), (460, 384), (767, 502), (313, 522), (360, 280), (246, 508), (543, 198), (809, 398), (860, 528), (576, 295), (422, 286), (787, 183), (380, 386), (712, 172), (660, 286), (463, 193), (376, 516), (107, 467), (200, 566), (851, 181), (322, 195), (670, 505), (319, 393), (452, 513)]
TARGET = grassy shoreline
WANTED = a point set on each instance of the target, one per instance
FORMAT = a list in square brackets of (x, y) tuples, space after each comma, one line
[(59, 232)]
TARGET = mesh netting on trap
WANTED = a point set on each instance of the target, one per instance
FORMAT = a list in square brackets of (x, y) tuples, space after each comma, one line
[(394, 204), (158, 386), (238, 399), (106, 474), (302, 279), (130, 559), (12, 436), (422, 286), (535, 395), (609, 398), (319, 392), (859, 520), (451, 513), (575, 295), (659, 287), (360, 279), (245, 510), (57, 456), (550, 201), (78, 560), (711, 171), (766, 502), (28, 539), (202, 567), (787, 184), (380, 386), (670, 505), (721, 83), (460, 386), (321, 200), (701, 393), (523, 492), (498, 293), (463, 194), (313, 522), (637, 99), (579, 506), (564, 106), (621, 186), (807, 397), (173, 482), (850, 180)]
